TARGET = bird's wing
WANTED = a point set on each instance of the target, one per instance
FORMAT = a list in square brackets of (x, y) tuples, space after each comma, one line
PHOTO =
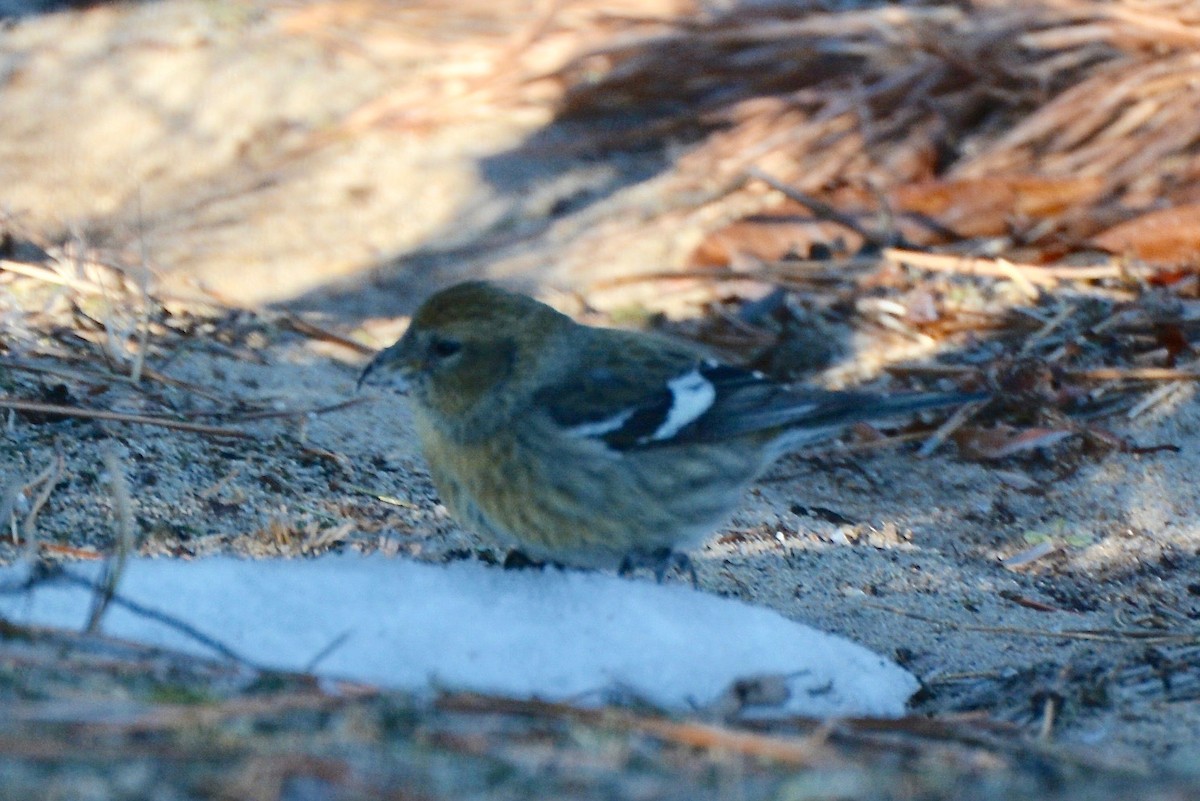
[(625, 389), (630, 391), (635, 396)]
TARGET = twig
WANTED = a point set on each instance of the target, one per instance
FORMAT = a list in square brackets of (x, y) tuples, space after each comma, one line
[(1036, 274), (50, 276), (10, 496), (836, 447), (391, 500), (1049, 715), (143, 285), (764, 275), (215, 488), (44, 749), (1153, 399), (114, 567), (94, 376), (271, 414), (158, 616), (1133, 374), (961, 415), (931, 370), (1053, 324), (49, 480), (189, 716), (302, 326), (333, 645), (1101, 635), (90, 377), (818, 207), (111, 343), (1084, 374), (1030, 275), (120, 417), (786, 750)]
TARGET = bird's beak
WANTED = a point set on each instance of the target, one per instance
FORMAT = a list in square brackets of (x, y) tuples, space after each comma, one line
[(392, 361)]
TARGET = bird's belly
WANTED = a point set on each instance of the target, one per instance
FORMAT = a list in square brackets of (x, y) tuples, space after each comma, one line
[(576, 501)]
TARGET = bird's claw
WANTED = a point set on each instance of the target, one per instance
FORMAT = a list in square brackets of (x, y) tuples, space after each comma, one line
[(660, 561)]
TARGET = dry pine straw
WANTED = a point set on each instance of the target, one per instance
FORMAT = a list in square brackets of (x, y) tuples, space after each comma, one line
[(862, 96)]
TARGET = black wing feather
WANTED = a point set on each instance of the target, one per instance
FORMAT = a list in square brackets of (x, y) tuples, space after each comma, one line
[(627, 408)]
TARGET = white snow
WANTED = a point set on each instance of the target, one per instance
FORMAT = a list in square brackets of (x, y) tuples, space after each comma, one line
[(549, 634)]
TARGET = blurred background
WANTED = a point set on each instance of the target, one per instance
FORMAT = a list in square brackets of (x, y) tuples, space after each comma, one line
[(349, 156)]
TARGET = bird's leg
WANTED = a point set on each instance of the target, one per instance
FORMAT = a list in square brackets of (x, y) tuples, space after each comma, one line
[(660, 561), (517, 559), (680, 560), (468, 554)]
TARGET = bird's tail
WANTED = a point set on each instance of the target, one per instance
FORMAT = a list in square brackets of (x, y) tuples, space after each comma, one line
[(817, 416)]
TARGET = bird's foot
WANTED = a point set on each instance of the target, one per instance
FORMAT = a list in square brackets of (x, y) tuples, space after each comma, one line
[(660, 561), (519, 560), (511, 560), (469, 555)]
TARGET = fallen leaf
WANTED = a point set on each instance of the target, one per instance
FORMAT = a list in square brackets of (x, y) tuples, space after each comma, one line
[(1027, 557), (1167, 236), (789, 231), (1028, 603), (988, 206), (69, 551), (1004, 441)]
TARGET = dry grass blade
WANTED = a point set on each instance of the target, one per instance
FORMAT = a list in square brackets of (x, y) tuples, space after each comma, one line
[(105, 589), (51, 277), (38, 747), (1154, 398), (806, 743), (795, 751), (98, 376), (1040, 275), (817, 206), (798, 273), (1085, 109), (1133, 374), (143, 322), (1100, 635), (48, 480), (302, 326), (946, 429), (92, 377), (11, 496), (119, 417), (190, 716), (123, 545)]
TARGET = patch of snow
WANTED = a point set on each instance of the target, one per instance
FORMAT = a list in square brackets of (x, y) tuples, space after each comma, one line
[(550, 634)]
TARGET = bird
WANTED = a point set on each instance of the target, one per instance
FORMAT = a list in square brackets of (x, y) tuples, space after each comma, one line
[(595, 447)]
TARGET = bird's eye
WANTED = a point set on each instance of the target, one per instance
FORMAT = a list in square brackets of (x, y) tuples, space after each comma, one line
[(445, 348)]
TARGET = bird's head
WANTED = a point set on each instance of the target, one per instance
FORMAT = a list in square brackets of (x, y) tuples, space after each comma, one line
[(469, 346)]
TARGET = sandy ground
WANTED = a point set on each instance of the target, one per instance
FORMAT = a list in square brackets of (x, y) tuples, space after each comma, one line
[(214, 140)]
